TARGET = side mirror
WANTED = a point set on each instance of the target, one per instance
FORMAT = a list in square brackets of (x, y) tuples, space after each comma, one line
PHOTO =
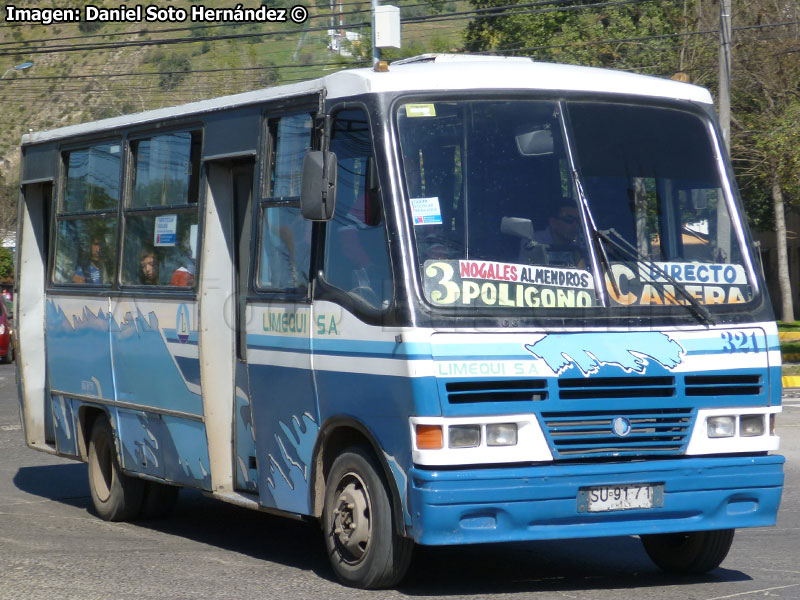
[(318, 187)]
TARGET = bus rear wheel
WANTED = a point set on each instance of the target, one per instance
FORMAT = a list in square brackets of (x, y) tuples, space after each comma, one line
[(362, 544), (116, 496), (690, 553)]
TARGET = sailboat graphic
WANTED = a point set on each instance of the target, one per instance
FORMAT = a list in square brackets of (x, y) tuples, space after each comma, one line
[(183, 324)]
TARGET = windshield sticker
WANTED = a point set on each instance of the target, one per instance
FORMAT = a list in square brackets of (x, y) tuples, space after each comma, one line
[(694, 273), (426, 211), (420, 110), (165, 230), (639, 285), (556, 277), (506, 285)]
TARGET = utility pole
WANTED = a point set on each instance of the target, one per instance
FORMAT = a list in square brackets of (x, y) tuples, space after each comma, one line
[(725, 10), (376, 52)]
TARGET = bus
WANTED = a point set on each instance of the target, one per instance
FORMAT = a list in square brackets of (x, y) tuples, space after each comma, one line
[(450, 300)]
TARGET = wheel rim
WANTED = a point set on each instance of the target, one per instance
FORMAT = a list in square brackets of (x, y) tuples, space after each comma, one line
[(352, 518), (101, 470)]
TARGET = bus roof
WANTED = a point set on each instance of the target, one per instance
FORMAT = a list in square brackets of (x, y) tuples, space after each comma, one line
[(438, 73)]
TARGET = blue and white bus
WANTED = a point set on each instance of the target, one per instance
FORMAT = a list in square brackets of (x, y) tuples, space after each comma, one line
[(455, 300)]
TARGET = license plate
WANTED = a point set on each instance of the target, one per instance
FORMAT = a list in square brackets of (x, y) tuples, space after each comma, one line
[(620, 497)]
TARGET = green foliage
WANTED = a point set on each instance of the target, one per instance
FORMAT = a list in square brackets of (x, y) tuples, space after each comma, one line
[(765, 139), (90, 26), (6, 264), (583, 36), (174, 67)]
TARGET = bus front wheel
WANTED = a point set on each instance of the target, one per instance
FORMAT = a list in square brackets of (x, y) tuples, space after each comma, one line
[(360, 537), (116, 496), (688, 553)]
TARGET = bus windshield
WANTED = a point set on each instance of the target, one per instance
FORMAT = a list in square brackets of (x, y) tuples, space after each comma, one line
[(568, 204)]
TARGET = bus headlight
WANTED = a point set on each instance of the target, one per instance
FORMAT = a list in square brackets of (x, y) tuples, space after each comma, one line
[(751, 425), (720, 427), (478, 440), (464, 436), (501, 434)]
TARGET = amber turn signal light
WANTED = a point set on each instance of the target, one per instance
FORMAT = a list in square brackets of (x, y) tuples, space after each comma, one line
[(429, 437)]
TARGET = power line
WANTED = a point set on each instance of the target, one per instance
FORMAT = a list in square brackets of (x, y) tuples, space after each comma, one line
[(20, 50), (493, 11), (189, 72), (161, 42)]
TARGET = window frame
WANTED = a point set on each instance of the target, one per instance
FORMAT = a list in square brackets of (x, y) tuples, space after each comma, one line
[(60, 215), (127, 211), (329, 290), (266, 200)]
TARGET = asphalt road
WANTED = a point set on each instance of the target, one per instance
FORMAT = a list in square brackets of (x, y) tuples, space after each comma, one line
[(53, 547)]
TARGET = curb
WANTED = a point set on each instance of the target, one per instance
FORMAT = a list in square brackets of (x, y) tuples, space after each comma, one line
[(791, 381)]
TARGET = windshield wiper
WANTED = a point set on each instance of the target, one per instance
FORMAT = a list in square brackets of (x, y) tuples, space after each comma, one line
[(626, 248), (597, 239)]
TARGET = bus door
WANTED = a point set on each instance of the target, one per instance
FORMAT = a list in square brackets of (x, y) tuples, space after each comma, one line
[(245, 466), (33, 247), (278, 322)]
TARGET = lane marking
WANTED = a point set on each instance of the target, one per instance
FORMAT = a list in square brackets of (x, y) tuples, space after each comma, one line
[(780, 587)]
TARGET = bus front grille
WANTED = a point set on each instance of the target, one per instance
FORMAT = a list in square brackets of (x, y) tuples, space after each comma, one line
[(510, 390), (723, 385), (581, 388), (590, 434)]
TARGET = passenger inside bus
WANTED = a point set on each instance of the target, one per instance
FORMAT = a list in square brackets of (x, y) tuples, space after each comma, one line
[(92, 270), (148, 267), (183, 275)]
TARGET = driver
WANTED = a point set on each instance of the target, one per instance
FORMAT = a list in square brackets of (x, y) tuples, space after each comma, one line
[(562, 235)]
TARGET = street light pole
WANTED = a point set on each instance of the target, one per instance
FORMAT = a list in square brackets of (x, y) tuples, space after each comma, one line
[(19, 67)]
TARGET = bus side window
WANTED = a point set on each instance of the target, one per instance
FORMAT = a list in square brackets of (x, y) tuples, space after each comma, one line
[(161, 214), (285, 236), (86, 230), (356, 250)]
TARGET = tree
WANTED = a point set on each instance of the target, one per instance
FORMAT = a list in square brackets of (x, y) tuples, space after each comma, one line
[(8, 208), (582, 34), (766, 109)]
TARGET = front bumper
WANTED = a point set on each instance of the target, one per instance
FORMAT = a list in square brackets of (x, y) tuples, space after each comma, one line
[(502, 504)]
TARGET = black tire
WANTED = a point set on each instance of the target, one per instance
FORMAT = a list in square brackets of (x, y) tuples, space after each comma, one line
[(689, 553), (363, 546), (116, 496), (159, 499)]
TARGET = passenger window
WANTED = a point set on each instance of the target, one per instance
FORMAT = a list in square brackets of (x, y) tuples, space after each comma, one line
[(285, 236), (86, 228), (165, 170), (291, 137), (356, 250), (161, 217)]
